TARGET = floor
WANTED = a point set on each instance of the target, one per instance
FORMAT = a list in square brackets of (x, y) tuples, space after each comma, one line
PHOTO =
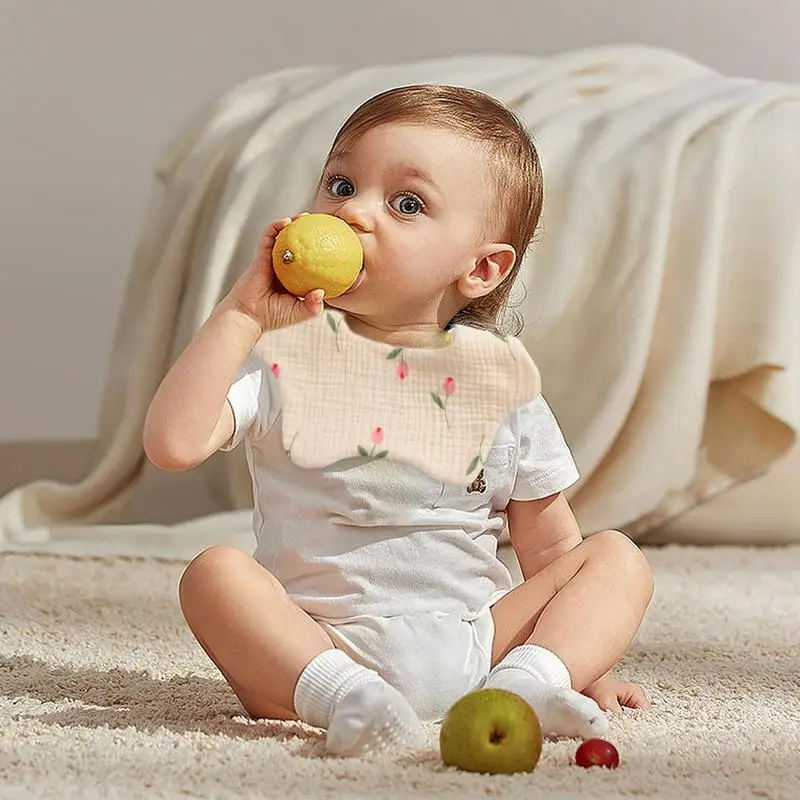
[(103, 693)]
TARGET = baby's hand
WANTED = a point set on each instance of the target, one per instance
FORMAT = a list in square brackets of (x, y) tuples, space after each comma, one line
[(611, 694), (259, 294)]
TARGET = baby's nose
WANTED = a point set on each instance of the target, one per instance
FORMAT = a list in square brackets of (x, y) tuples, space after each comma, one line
[(357, 215)]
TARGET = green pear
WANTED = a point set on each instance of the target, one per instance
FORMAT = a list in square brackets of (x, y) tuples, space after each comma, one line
[(493, 731)]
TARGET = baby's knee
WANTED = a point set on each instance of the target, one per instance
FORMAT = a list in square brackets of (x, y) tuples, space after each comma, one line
[(627, 559), (206, 570)]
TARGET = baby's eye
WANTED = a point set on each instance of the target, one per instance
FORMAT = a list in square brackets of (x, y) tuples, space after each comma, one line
[(341, 187), (407, 204)]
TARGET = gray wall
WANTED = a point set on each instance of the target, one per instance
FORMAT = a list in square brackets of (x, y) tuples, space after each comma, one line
[(91, 91)]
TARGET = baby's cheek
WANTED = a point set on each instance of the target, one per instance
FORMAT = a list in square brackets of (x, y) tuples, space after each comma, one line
[(320, 205)]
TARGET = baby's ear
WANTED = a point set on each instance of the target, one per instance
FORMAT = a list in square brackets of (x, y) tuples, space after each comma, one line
[(491, 268)]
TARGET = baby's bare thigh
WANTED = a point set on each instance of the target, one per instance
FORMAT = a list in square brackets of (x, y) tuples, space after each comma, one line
[(244, 620)]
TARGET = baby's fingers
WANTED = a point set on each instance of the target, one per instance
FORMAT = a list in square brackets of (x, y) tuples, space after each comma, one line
[(267, 241), (607, 700), (632, 695), (314, 302)]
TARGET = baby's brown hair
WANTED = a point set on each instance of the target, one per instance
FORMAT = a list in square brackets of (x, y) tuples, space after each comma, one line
[(515, 164)]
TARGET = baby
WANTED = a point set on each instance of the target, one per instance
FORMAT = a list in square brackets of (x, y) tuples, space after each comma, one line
[(375, 598)]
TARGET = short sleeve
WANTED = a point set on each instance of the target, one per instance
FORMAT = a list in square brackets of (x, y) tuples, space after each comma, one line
[(545, 464), (253, 399)]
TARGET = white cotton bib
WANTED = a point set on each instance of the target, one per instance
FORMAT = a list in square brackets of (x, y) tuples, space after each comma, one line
[(345, 396)]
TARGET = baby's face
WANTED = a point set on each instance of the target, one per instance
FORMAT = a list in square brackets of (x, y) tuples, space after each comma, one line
[(418, 197)]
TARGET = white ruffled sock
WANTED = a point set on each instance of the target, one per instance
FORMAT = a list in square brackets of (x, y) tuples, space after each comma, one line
[(361, 712), (539, 676)]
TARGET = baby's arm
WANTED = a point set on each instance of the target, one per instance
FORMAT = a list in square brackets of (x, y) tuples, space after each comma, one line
[(541, 531), (541, 524), (189, 417)]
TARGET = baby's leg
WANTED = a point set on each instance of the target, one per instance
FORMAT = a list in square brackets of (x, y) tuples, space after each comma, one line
[(280, 663), (258, 638), (568, 625)]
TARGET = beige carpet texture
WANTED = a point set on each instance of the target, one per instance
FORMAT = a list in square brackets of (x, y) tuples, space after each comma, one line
[(104, 694)]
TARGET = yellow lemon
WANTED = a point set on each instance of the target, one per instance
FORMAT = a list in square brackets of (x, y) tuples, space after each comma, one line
[(317, 251)]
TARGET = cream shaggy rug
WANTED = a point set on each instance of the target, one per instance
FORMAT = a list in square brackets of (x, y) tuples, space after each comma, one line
[(104, 694)]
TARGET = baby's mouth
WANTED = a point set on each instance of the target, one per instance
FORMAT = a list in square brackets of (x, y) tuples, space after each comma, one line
[(357, 282)]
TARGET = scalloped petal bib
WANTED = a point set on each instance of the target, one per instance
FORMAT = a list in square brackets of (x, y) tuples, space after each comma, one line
[(346, 396)]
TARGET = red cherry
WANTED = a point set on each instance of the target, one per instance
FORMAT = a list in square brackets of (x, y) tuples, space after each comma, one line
[(597, 753)]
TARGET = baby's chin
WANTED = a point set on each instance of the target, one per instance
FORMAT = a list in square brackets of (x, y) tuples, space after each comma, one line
[(335, 302), (346, 302)]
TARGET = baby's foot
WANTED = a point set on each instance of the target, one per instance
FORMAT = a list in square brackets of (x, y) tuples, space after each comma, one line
[(565, 712), (371, 718), (561, 711)]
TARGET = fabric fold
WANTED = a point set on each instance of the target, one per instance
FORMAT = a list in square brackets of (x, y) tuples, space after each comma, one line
[(662, 290)]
